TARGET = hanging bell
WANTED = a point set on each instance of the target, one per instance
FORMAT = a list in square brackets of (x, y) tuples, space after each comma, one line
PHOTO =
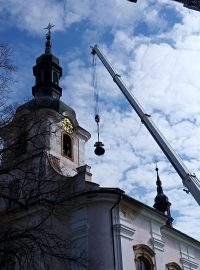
[(99, 151), (97, 118)]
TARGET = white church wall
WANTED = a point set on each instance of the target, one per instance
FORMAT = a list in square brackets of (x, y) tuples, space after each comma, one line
[(126, 233), (134, 229), (188, 259), (137, 226), (142, 231), (181, 249), (80, 151), (172, 249), (158, 244), (100, 240), (79, 233)]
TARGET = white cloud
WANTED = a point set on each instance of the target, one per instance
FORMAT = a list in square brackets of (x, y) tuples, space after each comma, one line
[(162, 72), (31, 15), (160, 66)]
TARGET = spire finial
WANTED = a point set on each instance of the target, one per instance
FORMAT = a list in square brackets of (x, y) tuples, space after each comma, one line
[(156, 166), (158, 182), (48, 37)]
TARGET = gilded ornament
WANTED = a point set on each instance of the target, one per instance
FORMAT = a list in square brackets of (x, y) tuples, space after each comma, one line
[(67, 125)]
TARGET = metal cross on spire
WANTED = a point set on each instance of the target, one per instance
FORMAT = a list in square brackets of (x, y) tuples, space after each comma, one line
[(49, 27), (48, 37)]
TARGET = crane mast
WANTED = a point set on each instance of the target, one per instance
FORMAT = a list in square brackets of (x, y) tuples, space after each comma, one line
[(189, 180)]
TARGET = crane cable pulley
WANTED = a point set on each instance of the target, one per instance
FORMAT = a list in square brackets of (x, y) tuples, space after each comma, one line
[(99, 150)]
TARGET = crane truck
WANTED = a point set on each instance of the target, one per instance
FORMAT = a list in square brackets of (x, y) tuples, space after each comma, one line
[(190, 181)]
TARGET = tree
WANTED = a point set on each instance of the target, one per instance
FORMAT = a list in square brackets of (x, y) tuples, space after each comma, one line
[(6, 78), (33, 195)]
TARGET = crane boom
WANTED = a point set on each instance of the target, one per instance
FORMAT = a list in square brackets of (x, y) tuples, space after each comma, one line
[(191, 4), (189, 180)]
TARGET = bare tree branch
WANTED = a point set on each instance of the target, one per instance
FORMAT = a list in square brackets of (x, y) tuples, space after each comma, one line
[(31, 197)]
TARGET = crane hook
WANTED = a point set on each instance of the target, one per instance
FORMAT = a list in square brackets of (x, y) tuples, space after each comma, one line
[(99, 150)]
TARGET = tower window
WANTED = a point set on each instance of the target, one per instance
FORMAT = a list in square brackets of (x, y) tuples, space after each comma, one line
[(40, 76), (55, 77), (67, 146), (47, 75)]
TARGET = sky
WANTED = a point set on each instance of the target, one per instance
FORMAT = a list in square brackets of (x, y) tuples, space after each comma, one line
[(154, 45)]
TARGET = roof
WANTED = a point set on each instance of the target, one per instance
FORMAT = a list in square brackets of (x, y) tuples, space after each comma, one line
[(130, 199), (182, 235), (49, 103)]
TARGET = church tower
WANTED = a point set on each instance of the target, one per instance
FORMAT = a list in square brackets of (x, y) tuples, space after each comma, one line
[(42, 169), (45, 125)]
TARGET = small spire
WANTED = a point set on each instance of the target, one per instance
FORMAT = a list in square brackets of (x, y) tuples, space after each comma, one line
[(47, 72), (48, 37), (158, 182), (162, 203)]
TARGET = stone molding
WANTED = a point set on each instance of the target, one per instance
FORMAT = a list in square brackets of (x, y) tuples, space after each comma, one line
[(124, 231), (158, 244), (188, 264), (187, 257), (156, 237), (173, 266)]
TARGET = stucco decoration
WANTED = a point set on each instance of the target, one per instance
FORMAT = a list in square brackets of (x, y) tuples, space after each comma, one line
[(145, 252), (54, 162)]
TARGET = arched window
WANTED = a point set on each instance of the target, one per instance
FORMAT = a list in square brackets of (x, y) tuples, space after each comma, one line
[(173, 266), (143, 263), (144, 257), (67, 146)]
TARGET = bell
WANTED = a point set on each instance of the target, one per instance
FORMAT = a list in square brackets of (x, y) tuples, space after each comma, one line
[(99, 151)]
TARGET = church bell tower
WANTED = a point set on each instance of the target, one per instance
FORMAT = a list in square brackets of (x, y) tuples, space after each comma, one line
[(45, 124)]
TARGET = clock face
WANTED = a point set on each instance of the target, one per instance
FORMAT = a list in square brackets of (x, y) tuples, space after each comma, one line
[(68, 125)]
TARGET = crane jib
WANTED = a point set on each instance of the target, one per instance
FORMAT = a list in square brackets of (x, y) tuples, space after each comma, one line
[(189, 180)]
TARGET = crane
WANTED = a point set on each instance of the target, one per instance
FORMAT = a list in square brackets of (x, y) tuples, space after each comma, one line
[(190, 181), (191, 4)]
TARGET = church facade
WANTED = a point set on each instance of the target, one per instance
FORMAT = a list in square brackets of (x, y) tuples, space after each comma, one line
[(100, 228)]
